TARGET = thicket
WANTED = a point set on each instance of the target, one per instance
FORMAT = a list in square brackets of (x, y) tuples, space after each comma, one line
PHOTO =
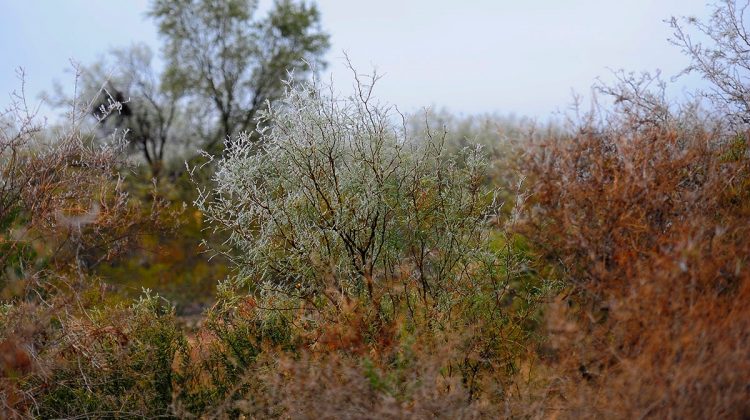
[(648, 226), (358, 248), (384, 266)]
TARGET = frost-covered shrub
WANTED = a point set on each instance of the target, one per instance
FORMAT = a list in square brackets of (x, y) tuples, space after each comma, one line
[(354, 237), (336, 199)]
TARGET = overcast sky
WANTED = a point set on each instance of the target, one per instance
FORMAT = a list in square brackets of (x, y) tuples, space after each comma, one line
[(471, 56)]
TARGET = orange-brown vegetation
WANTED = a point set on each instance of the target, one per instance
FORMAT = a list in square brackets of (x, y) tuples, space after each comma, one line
[(593, 271), (649, 226)]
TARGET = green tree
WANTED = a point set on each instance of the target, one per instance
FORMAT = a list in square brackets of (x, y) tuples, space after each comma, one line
[(225, 58), (222, 64)]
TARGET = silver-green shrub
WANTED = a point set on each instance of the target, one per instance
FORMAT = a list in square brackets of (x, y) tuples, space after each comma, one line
[(336, 199)]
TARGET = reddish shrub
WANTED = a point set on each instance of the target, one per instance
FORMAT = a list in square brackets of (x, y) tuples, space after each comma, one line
[(650, 225)]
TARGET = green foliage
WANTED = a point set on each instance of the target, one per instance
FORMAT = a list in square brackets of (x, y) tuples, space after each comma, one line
[(115, 362), (223, 56), (737, 149)]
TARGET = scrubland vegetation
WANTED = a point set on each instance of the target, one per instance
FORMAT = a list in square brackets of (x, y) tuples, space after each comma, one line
[(352, 262)]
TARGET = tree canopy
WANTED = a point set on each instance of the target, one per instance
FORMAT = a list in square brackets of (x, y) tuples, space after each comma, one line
[(223, 61), (220, 54)]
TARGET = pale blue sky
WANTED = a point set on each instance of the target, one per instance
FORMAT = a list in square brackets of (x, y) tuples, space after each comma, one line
[(471, 56)]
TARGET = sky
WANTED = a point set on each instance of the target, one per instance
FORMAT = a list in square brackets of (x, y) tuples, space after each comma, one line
[(504, 57)]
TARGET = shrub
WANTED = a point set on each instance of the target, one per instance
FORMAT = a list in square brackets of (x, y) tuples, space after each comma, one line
[(112, 362), (334, 199), (62, 202), (648, 224), (63, 211), (336, 213)]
